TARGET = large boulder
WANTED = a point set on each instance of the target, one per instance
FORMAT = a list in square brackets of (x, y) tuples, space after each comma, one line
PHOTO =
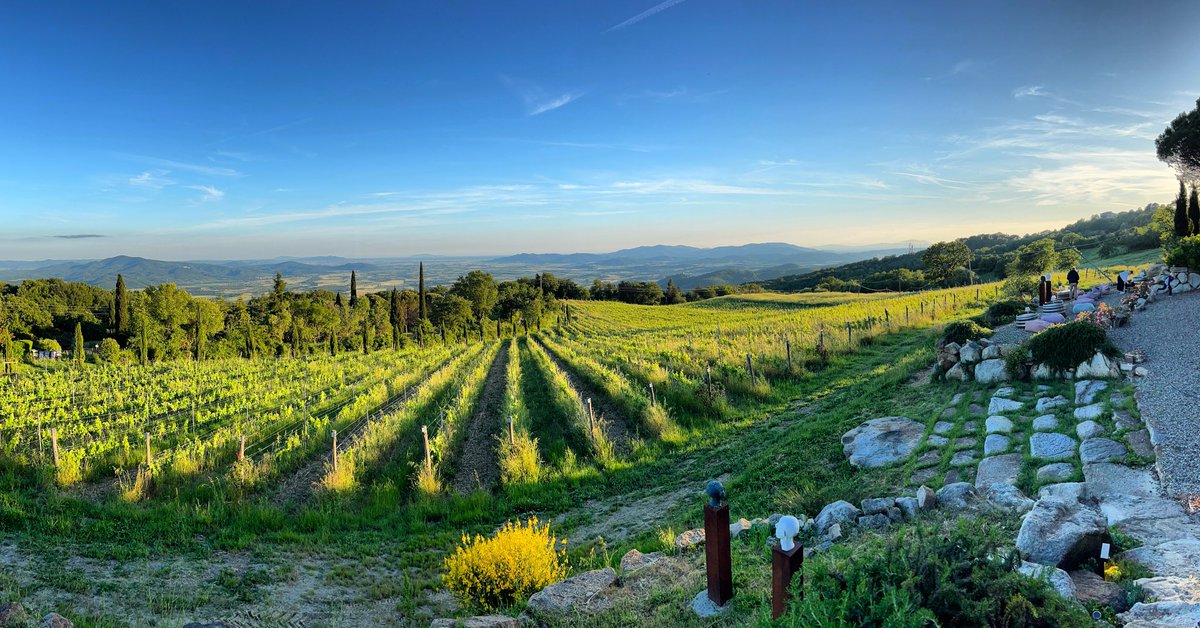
[(1099, 367), (1161, 615), (1057, 578), (957, 495), (970, 353), (1008, 497), (958, 373), (880, 442), (572, 595), (1178, 559), (13, 615), (991, 371), (838, 512), (1062, 533)]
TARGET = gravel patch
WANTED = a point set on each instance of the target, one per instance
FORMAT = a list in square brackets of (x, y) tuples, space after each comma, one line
[(1169, 395)]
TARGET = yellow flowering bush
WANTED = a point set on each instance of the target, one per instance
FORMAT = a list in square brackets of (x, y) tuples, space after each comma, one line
[(1112, 572), (492, 573)]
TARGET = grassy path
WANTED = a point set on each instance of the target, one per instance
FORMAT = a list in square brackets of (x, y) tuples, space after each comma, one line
[(477, 465)]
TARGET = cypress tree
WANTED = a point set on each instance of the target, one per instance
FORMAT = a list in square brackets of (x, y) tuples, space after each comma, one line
[(366, 341), (421, 292), (144, 348), (353, 289), (77, 347), (1181, 217), (120, 310), (1194, 213)]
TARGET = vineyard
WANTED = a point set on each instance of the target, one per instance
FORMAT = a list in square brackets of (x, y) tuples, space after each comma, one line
[(425, 443)]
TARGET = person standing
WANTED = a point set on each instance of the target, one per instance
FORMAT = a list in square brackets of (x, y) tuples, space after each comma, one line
[(1122, 280), (1073, 282)]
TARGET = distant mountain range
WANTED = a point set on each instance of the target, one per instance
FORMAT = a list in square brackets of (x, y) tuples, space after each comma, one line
[(688, 266)]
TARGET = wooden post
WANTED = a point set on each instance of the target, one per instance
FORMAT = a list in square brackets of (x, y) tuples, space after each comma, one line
[(906, 315), (821, 338), (147, 449), (41, 441), (783, 567), (887, 318), (241, 447), (512, 435), (788, 343), (591, 416), (334, 434), (652, 400), (708, 379), (717, 561), (849, 334), (54, 444), (428, 454), (749, 367)]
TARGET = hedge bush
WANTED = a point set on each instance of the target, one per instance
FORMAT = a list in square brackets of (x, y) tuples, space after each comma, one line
[(929, 575), (963, 331), (1185, 253), (1065, 346)]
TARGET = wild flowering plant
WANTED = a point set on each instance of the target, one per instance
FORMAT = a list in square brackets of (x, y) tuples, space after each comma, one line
[(1102, 316), (495, 572)]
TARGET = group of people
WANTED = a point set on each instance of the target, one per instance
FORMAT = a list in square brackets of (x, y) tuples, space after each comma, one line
[(1046, 287)]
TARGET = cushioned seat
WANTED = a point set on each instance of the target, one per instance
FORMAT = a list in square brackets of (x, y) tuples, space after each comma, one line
[(1037, 325), (1083, 307), (1054, 318)]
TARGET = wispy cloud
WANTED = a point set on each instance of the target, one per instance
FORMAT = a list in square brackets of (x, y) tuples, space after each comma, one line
[(152, 179), (678, 94), (562, 100), (171, 164), (537, 99), (78, 236), (658, 8), (208, 192), (930, 179)]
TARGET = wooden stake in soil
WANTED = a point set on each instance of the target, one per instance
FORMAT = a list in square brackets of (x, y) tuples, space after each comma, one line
[(906, 315), (651, 394), (849, 335), (749, 367), (334, 434), (428, 455), (241, 447), (147, 449), (788, 344), (512, 436), (54, 444), (591, 416)]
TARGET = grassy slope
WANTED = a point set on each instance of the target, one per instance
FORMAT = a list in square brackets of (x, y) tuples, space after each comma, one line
[(776, 459)]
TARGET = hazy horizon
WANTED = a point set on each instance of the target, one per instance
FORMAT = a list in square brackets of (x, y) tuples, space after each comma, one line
[(234, 131)]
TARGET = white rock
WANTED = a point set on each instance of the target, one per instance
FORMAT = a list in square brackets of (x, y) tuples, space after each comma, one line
[(836, 513), (992, 352), (1171, 589), (1174, 558), (1086, 391), (970, 353), (1041, 372), (1055, 576), (570, 595), (1051, 446), (1045, 423), (1046, 404), (1008, 497), (880, 442), (1061, 533), (958, 373), (996, 444), (1161, 615), (1007, 392), (998, 470), (958, 495), (991, 371), (1000, 405), (1088, 429), (1087, 413), (704, 608), (998, 424)]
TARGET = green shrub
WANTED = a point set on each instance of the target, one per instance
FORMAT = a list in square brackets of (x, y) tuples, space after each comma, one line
[(1014, 361), (927, 575), (108, 351), (962, 331), (1002, 312), (1064, 346), (47, 344), (1185, 253)]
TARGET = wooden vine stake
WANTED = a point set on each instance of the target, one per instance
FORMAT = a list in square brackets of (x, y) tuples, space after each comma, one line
[(591, 416), (512, 436), (788, 343), (652, 400), (749, 367), (428, 454), (147, 449), (334, 433), (54, 444), (241, 447)]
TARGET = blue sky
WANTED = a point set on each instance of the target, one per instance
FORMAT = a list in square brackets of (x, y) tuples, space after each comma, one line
[(254, 129)]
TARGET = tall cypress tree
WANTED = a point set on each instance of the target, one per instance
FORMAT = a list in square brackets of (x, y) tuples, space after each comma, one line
[(1194, 212), (1181, 217), (353, 288), (77, 346), (421, 292), (120, 310)]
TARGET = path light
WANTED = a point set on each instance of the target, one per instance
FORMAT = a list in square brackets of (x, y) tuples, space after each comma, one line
[(786, 560)]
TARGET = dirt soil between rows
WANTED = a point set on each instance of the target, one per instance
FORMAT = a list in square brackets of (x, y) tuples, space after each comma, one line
[(478, 462)]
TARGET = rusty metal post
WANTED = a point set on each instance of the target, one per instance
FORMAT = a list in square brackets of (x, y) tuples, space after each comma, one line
[(718, 562), (784, 566)]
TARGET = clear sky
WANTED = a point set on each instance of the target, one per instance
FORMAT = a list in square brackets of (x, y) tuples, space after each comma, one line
[(254, 129)]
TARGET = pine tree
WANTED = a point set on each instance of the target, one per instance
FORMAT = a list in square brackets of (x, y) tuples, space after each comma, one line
[(1194, 213), (353, 288), (120, 310), (1181, 217), (77, 347)]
